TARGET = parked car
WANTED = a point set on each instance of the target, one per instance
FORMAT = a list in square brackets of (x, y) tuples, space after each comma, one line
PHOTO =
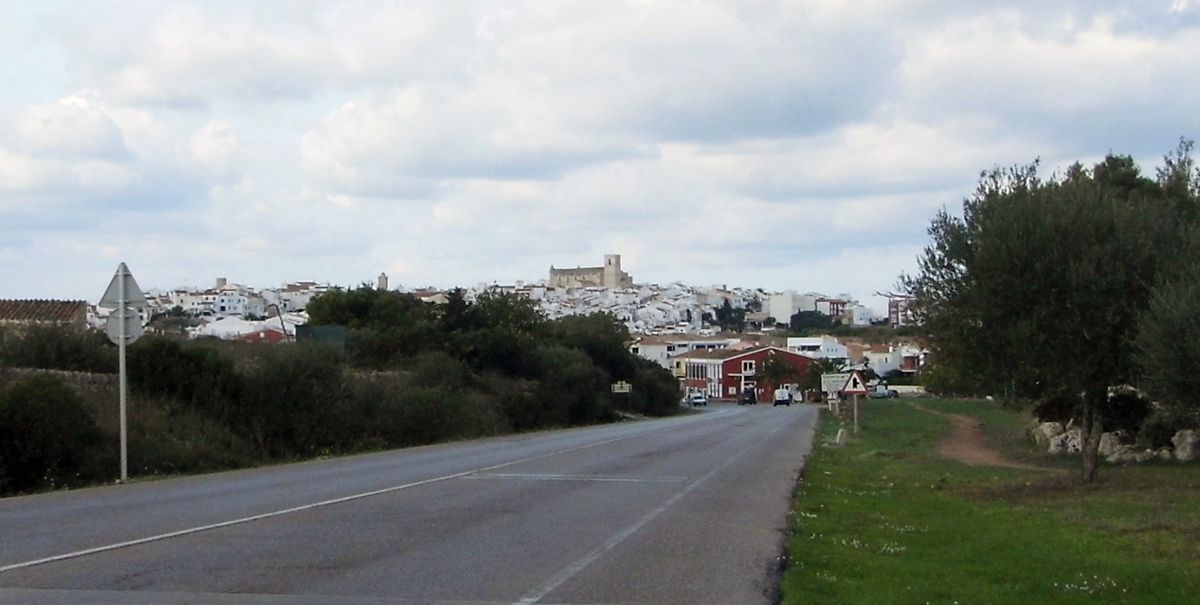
[(882, 392), (697, 399), (748, 397)]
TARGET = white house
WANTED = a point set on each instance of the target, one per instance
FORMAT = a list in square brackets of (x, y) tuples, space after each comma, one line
[(819, 347)]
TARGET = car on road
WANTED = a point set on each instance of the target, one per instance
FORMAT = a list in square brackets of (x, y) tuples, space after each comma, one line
[(782, 397), (697, 399)]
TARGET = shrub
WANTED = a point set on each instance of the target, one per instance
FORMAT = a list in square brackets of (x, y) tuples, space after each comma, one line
[(47, 436), (1162, 424), (572, 387), (295, 401), (1058, 408), (193, 374), (57, 348)]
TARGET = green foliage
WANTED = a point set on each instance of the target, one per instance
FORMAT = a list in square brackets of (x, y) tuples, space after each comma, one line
[(294, 402), (884, 515), (52, 347), (48, 438), (1168, 344), (602, 337), (195, 375), (729, 318), (574, 389), (807, 321), (1039, 287), (1162, 424)]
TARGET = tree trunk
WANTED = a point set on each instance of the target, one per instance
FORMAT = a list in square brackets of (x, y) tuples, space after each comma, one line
[(1091, 430)]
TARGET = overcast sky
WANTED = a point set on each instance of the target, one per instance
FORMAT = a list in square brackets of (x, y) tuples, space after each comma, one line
[(785, 145)]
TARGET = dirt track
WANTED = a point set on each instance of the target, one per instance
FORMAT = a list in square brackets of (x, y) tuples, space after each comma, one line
[(967, 444)]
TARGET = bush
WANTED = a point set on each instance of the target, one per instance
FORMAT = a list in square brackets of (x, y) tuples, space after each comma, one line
[(165, 439), (47, 436), (192, 374), (1162, 424), (1058, 408), (571, 387), (296, 403), (57, 348)]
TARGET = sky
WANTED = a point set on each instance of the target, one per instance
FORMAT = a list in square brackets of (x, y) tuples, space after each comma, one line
[(800, 145)]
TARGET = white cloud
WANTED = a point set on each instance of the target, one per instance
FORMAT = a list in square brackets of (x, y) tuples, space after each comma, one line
[(74, 126), (213, 145)]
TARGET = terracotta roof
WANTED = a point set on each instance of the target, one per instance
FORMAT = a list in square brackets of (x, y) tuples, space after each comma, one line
[(56, 311)]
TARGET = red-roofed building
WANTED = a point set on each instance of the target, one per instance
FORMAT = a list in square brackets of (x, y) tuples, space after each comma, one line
[(724, 373), (71, 313)]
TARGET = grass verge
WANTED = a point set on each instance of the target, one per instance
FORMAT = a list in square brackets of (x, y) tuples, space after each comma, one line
[(882, 519)]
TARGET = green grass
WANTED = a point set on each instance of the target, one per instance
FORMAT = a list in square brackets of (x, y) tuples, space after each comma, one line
[(884, 520)]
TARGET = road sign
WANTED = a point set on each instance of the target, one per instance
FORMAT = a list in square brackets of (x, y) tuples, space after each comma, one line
[(622, 387), (132, 330), (832, 383), (123, 327), (133, 295), (855, 385)]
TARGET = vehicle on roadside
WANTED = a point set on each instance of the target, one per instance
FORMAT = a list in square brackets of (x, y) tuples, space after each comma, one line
[(748, 397), (881, 391), (698, 399)]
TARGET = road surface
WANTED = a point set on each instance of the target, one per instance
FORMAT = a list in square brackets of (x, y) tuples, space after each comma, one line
[(680, 510)]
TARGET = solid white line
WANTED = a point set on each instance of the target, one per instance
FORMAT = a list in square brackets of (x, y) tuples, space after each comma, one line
[(546, 477), (295, 509), (569, 571)]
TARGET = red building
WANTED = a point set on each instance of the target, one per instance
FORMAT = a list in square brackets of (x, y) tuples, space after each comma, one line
[(724, 373)]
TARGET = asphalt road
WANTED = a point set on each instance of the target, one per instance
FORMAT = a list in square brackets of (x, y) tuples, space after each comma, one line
[(681, 510)]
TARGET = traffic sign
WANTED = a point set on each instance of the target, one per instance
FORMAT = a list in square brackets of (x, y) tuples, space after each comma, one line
[(832, 383), (115, 297), (855, 385), (131, 331)]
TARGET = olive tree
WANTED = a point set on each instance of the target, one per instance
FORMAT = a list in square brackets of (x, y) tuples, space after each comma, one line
[(1038, 287)]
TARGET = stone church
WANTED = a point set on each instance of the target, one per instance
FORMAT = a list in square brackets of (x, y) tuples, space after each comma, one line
[(609, 276)]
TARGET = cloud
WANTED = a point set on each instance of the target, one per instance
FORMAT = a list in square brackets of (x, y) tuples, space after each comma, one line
[(1081, 86), (73, 126)]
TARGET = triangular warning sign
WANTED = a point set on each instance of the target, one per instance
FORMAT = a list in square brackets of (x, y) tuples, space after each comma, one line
[(855, 385)]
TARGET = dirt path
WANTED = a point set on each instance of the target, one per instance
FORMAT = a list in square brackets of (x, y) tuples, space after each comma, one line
[(967, 444)]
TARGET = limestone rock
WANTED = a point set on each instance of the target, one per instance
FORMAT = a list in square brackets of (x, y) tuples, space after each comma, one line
[(1164, 454), (1109, 443), (1045, 432), (1186, 443), (1122, 454), (1144, 456), (1069, 442)]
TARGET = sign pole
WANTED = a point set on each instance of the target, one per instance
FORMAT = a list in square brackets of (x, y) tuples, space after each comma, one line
[(121, 308), (856, 413)]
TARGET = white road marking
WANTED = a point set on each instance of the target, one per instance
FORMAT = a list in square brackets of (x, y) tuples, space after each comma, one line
[(602, 478), (295, 509), (569, 571)]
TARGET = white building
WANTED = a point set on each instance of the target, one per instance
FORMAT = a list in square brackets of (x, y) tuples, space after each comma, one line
[(819, 347)]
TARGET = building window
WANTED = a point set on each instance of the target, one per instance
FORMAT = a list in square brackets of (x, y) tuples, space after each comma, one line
[(748, 367)]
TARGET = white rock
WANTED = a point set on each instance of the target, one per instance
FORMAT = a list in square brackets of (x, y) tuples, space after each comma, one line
[(1186, 443), (1066, 443), (1045, 432), (1164, 454), (1123, 454), (1109, 443), (1145, 456)]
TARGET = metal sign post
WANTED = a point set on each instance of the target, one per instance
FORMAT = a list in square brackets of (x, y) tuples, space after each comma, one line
[(123, 327)]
